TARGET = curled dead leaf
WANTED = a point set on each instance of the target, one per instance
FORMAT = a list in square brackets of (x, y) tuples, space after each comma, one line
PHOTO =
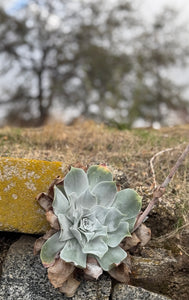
[(121, 273), (70, 286), (45, 201), (38, 245), (144, 234), (52, 219), (130, 242), (93, 269), (49, 233), (57, 181), (60, 272), (40, 241)]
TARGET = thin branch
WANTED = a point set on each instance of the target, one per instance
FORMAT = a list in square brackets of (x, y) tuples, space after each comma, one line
[(174, 169), (152, 165), (186, 253), (170, 234), (159, 191)]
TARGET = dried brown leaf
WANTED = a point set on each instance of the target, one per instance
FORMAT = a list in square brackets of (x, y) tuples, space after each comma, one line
[(38, 245), (60, 272), (40, 241), (144, 234), (93, 270), (121, 273), (130, 242), (70, 286), (49, 233), (57, 181), (52, 219), (45, 201)]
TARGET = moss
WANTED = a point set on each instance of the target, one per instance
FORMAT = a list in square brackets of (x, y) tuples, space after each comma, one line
[(21, 181)]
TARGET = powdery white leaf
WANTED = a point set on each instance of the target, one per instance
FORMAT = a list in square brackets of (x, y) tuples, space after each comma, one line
[(105, 193), (86, 200), (128, 202), (115, 238), (100, 213), (72, 252), (65, 233), (76, 181), (96, 247), (113, 219), (50, 249), (60, 203), (97, 174), (112, 257)]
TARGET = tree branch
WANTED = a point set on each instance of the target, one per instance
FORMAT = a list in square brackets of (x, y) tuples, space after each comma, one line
[(160, 190)]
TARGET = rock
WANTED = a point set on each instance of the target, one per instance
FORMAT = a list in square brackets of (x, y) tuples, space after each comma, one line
[(24, 278), (21, 181), (124, 292), (153, 270)]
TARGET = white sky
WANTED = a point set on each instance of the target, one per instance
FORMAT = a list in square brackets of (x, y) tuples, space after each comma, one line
[(150, 7)]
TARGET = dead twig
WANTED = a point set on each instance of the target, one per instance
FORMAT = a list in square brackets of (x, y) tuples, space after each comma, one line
[(152, 164), (160, 190), (170, 234), (183, 250)]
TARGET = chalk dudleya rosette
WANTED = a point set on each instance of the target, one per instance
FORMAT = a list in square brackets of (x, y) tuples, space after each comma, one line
[(94, 218)]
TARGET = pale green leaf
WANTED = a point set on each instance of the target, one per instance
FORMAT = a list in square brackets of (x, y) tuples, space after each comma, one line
[(86, 200), (113, 219), (72, 252), (131, 222), (74, 213), (50, 248), (91, 228), (111, 258), (105, 193), (128, 202), (100, 213), (96, 247), (97, 174), (78, 236), (60, 203), (75, 181), (115, 238), (61, 188), (65, 224)]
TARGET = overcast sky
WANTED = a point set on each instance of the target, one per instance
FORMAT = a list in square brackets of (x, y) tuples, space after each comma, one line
[(149, 7)]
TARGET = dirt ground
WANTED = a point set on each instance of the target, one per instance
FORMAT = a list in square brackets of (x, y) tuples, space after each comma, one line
[(128, 154)]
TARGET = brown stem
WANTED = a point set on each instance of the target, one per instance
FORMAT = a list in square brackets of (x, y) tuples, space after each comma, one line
[(176, 166), (159, 191)]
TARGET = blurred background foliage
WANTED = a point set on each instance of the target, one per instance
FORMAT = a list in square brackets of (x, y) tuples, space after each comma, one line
[(92, 59)]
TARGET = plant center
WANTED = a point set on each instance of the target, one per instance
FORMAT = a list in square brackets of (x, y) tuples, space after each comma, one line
[(87, 224)]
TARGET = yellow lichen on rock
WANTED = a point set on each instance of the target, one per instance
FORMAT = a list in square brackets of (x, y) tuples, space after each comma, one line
[(21, 180)]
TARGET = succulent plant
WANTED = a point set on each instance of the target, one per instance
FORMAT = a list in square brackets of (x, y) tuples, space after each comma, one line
[(93, 218)]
